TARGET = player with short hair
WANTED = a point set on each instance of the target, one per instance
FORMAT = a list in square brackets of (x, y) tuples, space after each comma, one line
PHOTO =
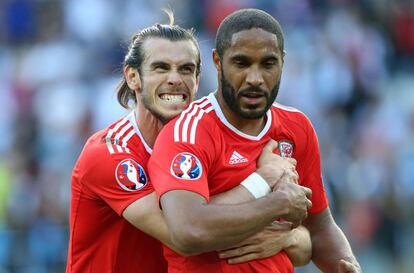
[(222, 135), (114, 212)]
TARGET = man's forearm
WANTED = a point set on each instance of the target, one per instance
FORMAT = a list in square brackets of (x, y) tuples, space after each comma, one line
[(236, 195), (329, 244), (207, 227), (300, 246), (329, 247)]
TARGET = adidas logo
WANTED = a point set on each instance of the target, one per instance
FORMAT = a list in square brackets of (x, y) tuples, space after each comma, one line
[(237, 158)]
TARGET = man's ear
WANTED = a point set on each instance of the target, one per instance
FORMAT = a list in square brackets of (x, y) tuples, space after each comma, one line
[(216, 60), (197, 83), (218, 64), (132, 78)]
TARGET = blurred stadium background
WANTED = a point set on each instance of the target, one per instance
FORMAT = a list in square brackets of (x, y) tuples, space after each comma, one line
[(349, 67)]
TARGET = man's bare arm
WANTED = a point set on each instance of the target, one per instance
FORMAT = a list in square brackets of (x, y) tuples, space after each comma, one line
[(273, 239), (146, 215), (331, 251), (196, 226), (300, 248)]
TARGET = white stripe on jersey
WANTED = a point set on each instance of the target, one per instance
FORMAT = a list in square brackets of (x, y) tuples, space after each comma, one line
[(192, 108), (284, 107), (111, 132), (118, 136), (195, 123), (121, 138), (190, 117), (126, 138)]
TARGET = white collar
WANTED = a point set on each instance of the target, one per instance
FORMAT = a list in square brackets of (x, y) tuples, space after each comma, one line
[(223, 119), (132, 119)]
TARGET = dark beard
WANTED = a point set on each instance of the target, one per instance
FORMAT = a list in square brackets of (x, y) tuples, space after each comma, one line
[(231, 99)]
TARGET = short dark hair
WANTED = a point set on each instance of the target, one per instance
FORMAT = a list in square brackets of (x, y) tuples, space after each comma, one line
[(246, 19), (136, 55)]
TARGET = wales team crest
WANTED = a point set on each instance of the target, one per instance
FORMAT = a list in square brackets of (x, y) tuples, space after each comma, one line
[(285, 148)]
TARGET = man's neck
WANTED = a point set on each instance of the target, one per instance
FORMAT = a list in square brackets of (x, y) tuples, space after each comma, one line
[(148, 125), (251, 127)]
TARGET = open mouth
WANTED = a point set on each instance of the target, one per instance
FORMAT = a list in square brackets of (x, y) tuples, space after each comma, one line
[(253, 98), (253, 95), (173, 98)]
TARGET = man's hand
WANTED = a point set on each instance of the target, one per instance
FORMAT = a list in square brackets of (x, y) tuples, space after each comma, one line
[(273, 239), (296, 199), (348, 267), (266, 243), (273, 167)]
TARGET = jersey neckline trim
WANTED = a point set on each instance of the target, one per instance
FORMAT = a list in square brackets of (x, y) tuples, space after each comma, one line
[(223, 119), (133, 121)]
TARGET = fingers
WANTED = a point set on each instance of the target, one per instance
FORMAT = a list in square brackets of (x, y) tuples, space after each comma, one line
[(296, 173), (308, 192), (270, 146), (280, 226), (242, 259), (346, 267), (295, 224), (308, 204), (291, 161), (252, 240), (290, 164), (237, 252), (291, 175), (236, 246)]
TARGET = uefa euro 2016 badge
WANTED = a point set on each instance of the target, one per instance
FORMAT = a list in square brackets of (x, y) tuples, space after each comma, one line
[(186, 166), (285, 148), (130, 175)]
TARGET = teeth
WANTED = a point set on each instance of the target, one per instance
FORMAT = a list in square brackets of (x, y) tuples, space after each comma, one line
[(172, 98)]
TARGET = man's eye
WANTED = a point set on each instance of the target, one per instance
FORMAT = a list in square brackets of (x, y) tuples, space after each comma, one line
[(269, 64), (161, 68), (187, 69), (240, 63)]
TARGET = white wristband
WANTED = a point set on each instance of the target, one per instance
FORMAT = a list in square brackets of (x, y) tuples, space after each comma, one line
[(256, 185)]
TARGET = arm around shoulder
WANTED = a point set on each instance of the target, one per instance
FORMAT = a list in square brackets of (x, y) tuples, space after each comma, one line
[(197, 227), (146, 216)]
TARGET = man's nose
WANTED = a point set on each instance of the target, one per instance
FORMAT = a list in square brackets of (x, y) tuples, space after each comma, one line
[(254, 77), (174, 78)]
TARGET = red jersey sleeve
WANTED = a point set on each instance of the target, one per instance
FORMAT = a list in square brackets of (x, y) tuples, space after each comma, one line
[(117, 179), (309, 167), (178, 163)]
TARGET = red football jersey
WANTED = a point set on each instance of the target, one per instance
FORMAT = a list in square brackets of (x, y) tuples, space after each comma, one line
[(109, 175), (201, 151)]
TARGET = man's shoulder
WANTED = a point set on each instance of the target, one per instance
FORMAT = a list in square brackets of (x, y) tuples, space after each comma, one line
[(186, 126), (105, 140), (96, 142), (107, 147), (290, 115)]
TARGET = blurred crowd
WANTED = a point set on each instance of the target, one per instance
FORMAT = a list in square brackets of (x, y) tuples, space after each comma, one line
[(349, 66)]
